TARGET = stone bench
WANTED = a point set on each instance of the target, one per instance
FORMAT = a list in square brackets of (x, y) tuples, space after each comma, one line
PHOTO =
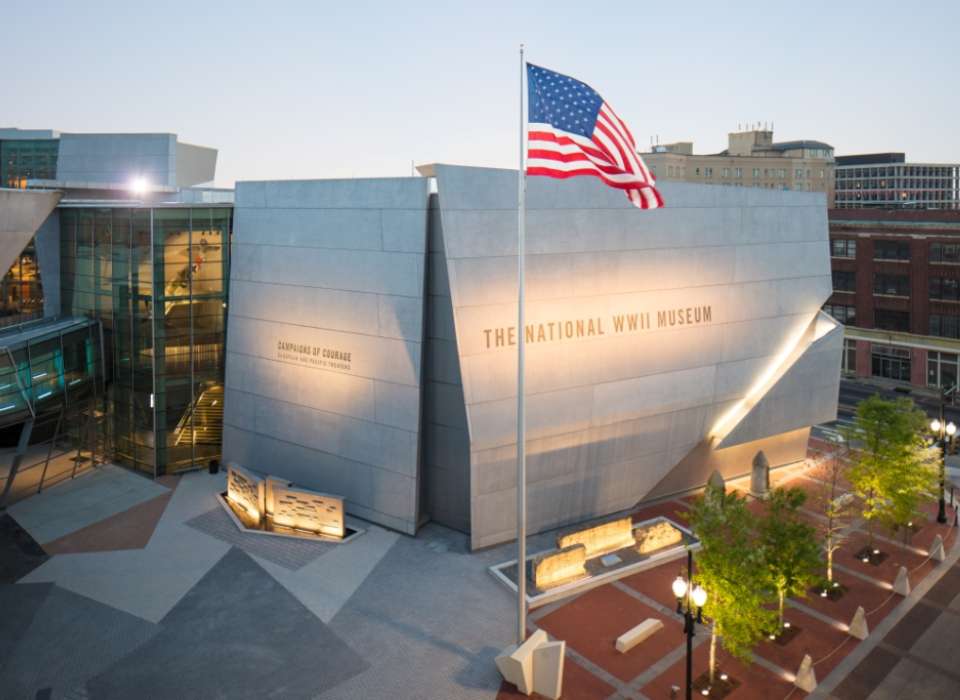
[(633, 636)]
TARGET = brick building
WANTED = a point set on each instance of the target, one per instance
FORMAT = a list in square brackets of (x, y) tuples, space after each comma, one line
[(896, 287)]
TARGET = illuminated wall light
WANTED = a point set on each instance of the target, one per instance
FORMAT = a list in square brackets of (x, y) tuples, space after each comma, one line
[(75, 381), (39, 375), (45, 395), (7, 407)]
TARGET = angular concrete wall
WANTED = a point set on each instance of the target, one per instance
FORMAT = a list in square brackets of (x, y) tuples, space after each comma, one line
[(720, 284), (325, 337), (21, 214)]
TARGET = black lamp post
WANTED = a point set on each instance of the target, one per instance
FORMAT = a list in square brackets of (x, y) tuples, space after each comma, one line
[(690, 600), (944, 433)]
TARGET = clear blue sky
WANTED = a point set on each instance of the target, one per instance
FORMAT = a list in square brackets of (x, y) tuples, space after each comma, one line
[(332, 89)]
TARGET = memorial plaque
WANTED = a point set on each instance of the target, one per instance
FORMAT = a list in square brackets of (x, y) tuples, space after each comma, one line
[(299, 509)]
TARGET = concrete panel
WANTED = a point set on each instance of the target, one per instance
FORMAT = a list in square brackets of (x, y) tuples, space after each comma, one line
[(614, 415), (22, 212), (47, 245), (325, 339)]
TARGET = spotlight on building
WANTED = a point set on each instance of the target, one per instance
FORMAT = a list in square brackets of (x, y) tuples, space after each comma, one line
[(139, 185)]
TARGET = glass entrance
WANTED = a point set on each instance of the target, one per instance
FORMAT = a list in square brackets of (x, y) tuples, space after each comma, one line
[(891, 363)]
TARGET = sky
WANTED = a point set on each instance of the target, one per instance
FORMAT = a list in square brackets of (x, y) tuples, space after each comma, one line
[(291, 90)]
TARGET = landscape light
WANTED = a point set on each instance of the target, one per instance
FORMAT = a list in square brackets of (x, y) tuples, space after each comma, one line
[(823, 594), (935, 425), (724, 676), (951, 429)]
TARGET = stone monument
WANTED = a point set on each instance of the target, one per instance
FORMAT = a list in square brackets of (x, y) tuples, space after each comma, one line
[(656, 536), (556, 568), (760, 477)]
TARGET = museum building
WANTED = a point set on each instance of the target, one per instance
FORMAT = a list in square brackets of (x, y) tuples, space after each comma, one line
[(358, 337)]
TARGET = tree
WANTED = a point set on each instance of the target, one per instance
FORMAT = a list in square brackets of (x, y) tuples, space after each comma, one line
[(729, 566), (791, 553), (835, 505), (892, 468)]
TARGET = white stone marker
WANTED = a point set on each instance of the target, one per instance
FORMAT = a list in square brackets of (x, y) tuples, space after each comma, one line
[(806, 679), (548, 669), (858, 626), (633, 636), (901, 584), (936, 549), (516, 662)]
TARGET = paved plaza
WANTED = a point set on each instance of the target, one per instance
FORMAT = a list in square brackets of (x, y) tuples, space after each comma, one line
[(149, 591)]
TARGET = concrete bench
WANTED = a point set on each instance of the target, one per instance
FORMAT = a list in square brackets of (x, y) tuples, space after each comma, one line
[(633, 636)]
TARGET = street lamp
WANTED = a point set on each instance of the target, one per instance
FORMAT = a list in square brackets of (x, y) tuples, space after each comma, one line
[(944, 433), (691, 597)]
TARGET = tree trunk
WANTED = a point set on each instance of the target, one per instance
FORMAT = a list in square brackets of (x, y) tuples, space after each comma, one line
[(830, 560), (781, 594), (713, 652)]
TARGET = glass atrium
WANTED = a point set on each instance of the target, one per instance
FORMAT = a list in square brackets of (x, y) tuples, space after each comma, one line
[(156, 277)]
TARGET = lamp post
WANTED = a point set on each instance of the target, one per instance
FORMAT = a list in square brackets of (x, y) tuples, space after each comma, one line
[(944, 433), (689, 596)]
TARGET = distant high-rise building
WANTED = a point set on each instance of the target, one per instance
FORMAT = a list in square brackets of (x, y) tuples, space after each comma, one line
[(887, 181), (751, 159)]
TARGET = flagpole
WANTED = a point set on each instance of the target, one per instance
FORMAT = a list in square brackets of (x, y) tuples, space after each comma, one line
[(521, 415)]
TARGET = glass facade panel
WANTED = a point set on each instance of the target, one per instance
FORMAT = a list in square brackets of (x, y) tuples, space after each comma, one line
[(157, 280)]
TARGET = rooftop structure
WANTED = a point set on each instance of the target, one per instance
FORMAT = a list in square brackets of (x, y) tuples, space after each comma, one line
[(751, 159)]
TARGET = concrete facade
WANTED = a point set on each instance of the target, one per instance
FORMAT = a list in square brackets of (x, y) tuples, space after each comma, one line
[(724, 286), (325, 339), (371, 345), (21, 213), (109, 159)]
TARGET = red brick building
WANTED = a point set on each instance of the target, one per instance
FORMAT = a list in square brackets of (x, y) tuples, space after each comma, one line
[(896, 282)]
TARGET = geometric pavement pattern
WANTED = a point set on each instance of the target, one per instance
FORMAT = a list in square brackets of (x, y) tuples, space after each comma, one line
[(288, 552), (236, 634)]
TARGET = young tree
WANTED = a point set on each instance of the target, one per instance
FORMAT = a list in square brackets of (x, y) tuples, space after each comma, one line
[(729, 566), (791, 553), (835, 504), (891, 468)]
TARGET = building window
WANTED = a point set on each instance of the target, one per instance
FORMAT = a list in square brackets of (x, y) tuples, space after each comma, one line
[(738, 172), (888, 320), (843, 248), (849, 356), (669, 171), (944, 253), (945, 288), (708, 172), (945, 326), (844, 281), (892, 285), (846, 315), (891, 362), (891, 250), (726, 172), (799, 172), (941, 369), (756, 172), (697, 172)]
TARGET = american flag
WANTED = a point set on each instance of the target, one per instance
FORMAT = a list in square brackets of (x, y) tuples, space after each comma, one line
[(572, 131)]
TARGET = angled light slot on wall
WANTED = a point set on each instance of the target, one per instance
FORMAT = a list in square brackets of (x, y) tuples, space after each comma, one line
[(795, 346), (45, 395), (7, 407)]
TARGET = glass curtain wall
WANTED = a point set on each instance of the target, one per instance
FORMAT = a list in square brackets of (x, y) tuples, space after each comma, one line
[(157, 279)]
